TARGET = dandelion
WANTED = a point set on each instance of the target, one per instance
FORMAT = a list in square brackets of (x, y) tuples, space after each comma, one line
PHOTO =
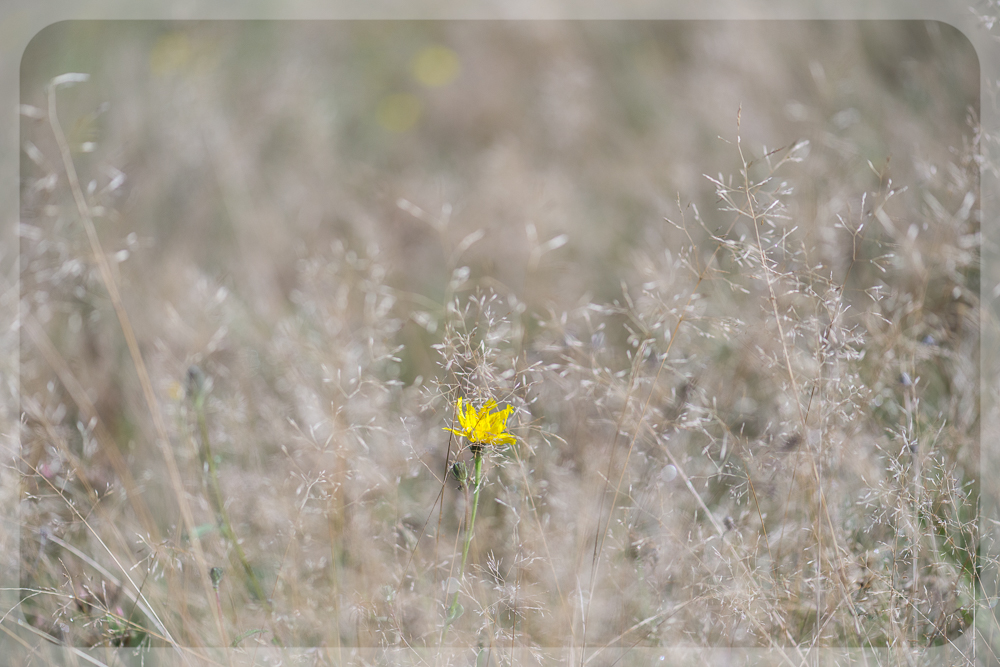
[(484, 427)]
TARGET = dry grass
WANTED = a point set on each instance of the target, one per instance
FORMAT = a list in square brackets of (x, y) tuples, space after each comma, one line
[(260, 263)]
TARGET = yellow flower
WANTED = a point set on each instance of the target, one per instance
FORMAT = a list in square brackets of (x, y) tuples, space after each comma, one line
[(486, 426)]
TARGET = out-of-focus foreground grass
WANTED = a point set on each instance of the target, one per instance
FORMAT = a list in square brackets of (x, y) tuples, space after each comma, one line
[(746, 406)]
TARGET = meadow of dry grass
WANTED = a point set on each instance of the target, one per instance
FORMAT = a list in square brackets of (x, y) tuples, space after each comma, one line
[(726, 275)]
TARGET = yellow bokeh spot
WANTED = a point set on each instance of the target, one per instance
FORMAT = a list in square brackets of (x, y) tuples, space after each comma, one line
[(436, 66), (175, 391), (399, 112), (171, 52)]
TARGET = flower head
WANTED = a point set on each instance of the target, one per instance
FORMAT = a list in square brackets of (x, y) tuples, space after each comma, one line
[(485, 426)]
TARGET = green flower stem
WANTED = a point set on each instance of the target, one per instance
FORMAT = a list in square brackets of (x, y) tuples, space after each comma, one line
[(220, 507), (478, 478)]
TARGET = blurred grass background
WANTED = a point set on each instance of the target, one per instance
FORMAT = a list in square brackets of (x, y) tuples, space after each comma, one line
[(291, 207)]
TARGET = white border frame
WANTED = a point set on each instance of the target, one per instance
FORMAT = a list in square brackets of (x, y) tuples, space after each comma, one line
[(21, 20)]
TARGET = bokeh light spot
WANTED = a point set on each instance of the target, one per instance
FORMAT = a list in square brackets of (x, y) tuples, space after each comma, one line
[(436, 66), (171, 52), (399, 112)]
